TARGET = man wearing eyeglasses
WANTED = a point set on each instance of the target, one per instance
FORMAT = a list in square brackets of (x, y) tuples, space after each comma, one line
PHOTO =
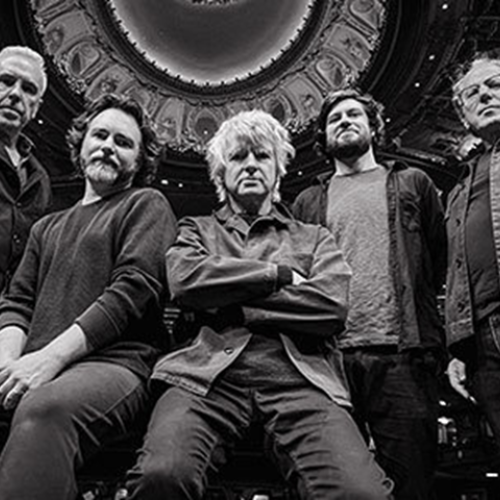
[(473, 226)]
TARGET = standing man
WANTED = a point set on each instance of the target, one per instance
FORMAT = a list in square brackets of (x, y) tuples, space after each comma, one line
[(270, 293), (80, 324), (24, 184), (388, 222), (473, 225)]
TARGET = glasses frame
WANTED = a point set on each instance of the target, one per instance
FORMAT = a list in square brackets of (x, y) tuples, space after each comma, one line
[(463, 103)]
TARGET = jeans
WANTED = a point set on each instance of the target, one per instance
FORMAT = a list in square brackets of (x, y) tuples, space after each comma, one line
[(485, 375), (395, 398), (56, 427), (315, 442)]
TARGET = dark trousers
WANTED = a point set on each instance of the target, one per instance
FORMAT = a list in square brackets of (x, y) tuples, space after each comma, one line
[(485, 376), (395, 397), (315, 442), (57, 426)]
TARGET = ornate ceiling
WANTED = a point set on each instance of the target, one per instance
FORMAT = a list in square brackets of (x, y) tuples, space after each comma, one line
[(193, 62)]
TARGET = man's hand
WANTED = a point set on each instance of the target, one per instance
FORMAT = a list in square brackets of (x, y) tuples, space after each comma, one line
[(457, 376), (28, 372)]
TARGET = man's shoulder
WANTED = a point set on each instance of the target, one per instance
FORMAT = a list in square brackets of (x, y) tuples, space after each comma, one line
[(201, 221), (138, 198), (50, 220), (143, 193), (309, 192), (415, 177)]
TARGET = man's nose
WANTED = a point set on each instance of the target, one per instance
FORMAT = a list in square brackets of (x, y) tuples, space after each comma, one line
[(345, 120), (250, 168), (15, 91), (484, 93), (108, 145)]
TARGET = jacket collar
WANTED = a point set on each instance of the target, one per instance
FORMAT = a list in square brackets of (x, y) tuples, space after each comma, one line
[(25, 147), (279, 214)]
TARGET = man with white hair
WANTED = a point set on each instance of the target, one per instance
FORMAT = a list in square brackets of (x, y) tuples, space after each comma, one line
[(24, 185), (270, 295)]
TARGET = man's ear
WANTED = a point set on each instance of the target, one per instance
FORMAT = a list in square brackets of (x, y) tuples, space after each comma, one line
[(36, 108)]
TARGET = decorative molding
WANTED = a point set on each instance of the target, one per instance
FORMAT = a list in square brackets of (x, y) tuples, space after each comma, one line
[(92, 48)]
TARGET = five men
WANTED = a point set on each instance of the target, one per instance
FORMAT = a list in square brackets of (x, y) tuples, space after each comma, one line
[(271, 295), (24, 185), (473, 226), (79, 325), (388, 222)]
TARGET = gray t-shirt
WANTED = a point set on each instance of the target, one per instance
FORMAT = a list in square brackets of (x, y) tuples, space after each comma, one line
[(357, 217)]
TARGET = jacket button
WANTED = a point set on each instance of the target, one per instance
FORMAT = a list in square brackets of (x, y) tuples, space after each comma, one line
[(458, 263), (457, 220), (229, 350), (461, 306)]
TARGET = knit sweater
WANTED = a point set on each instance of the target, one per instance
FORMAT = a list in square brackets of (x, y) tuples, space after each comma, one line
[(101, 266)]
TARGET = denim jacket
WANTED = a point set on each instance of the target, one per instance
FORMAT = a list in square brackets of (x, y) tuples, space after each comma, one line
[(459, 306), (417, 249), (228, 271)]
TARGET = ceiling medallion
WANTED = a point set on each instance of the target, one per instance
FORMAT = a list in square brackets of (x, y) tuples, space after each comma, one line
[(191, 65)]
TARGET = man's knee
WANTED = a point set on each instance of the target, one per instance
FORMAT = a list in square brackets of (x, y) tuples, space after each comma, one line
[(42, 408), (162, 477)]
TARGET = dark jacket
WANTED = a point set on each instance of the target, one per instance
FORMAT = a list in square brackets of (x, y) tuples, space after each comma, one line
[(417, 250), (459, 309), (221, 266), (20, 207)]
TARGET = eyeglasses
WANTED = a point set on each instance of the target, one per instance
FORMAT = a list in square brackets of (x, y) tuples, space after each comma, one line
[(469, 96)]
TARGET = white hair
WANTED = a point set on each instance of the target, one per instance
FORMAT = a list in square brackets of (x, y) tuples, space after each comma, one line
[(26, 53), (257, 126)]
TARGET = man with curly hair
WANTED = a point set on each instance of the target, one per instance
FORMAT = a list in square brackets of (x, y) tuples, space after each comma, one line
[(388, 221), (269, 293), (80, 326)]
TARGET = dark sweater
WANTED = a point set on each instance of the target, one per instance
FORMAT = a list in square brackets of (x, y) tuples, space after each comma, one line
[(102, 266)]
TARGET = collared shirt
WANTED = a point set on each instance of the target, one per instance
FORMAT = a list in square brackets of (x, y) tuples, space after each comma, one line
[(228, 270), (21, 204)]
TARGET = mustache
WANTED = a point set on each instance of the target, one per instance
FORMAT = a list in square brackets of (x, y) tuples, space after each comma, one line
[(106, 159)]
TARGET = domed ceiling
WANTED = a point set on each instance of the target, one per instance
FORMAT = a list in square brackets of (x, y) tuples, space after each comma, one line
[(192, 63)]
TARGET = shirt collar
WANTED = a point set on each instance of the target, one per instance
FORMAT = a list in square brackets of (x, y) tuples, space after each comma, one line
[(24, 145)]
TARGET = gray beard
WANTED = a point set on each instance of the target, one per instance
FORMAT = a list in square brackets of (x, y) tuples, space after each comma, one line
[(105, 174)]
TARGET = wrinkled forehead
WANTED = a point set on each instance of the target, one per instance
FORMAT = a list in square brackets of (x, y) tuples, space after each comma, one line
[(22, 66), (479, 71)]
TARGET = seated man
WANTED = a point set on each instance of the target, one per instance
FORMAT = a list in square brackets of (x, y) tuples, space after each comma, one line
[(79, 327), (272, 295)]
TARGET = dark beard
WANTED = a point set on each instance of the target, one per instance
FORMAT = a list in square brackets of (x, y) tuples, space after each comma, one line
[(348, 151)]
